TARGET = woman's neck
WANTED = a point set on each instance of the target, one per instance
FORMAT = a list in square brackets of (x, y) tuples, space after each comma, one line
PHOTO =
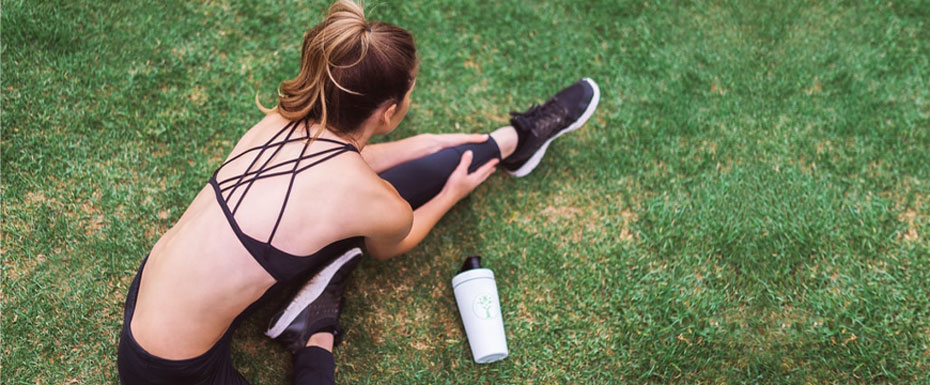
[(358, 139)]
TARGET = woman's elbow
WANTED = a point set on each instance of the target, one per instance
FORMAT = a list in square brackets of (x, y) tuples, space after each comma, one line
[(380, 256), (382, 253)]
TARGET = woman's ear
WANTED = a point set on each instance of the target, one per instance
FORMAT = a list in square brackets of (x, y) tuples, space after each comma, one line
[(388, 114)]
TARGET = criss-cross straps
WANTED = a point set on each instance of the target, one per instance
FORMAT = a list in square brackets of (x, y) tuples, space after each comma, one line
[(292, 167)]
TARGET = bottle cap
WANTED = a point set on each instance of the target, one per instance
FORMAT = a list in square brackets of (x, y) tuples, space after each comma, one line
[(472, 262)]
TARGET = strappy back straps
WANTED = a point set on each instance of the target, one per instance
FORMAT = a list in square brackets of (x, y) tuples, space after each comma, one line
[(227, 187)]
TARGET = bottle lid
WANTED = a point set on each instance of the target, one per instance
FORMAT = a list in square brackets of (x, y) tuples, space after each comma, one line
[(472, 262)]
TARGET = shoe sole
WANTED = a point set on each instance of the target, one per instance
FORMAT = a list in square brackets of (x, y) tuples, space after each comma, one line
[(309, 293), (534, 160)]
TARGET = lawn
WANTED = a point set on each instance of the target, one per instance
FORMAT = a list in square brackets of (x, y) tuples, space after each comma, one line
[(750, 204)]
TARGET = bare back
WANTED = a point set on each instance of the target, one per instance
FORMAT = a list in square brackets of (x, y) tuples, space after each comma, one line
[(199, 276)]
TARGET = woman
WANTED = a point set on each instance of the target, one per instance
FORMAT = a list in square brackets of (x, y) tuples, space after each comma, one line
[(301, 192)]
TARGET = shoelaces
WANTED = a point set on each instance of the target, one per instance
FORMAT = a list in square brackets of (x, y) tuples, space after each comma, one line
[(541, 120)]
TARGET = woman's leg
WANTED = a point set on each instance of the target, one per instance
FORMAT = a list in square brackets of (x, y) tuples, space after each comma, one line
[(506, 138), (314, 366), (419, 180), (311, 333)]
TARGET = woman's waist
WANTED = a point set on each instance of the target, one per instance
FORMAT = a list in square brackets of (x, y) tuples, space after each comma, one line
[(181, 312)]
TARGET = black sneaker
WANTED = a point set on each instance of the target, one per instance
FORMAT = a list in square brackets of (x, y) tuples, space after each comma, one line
[(538, 126), (316, 306)]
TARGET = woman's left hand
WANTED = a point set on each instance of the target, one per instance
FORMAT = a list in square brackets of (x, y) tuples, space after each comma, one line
[(383, 156), (435, 142)]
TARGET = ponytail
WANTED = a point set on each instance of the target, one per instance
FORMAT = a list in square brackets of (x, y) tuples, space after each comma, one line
[(348, 68)]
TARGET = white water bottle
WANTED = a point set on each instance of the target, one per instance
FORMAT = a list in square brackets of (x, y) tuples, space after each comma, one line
[(476, 294)]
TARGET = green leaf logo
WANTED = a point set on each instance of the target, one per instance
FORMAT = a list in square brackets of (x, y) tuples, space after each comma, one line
[(484, 306)]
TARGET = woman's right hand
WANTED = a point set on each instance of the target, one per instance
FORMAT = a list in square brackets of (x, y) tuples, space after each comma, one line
[(461, 183)]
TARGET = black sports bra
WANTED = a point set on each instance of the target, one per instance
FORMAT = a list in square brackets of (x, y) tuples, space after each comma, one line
[(279, 264)]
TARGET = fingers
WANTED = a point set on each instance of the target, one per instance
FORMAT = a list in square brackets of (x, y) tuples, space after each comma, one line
[(471, 138), (461, 183), (485, 171), (457, 139), (462, 168)]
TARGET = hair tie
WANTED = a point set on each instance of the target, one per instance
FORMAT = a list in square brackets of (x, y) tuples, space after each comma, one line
[(368, 27)]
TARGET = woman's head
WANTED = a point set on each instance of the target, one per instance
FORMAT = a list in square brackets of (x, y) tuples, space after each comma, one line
[(349, 68)]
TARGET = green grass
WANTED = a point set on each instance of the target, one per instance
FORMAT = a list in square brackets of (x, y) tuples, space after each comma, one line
[(751, 203)]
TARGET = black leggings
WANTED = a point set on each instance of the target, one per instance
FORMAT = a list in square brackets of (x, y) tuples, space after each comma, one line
[(417, 181), (312, 365)]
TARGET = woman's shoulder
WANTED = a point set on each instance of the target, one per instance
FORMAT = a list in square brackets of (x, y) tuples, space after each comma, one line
[(369, 191), (376, 190), (350, 196)]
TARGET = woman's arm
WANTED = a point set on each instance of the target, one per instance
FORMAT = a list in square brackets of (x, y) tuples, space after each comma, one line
[(459, 185), (382, 156)]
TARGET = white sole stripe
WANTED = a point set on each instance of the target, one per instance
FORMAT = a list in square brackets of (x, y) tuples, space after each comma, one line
[(310, 292)]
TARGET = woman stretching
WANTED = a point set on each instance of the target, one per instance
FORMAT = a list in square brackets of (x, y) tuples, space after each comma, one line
[(301, 193)]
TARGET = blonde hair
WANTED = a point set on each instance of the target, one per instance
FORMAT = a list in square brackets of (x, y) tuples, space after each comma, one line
[(348, 68)]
